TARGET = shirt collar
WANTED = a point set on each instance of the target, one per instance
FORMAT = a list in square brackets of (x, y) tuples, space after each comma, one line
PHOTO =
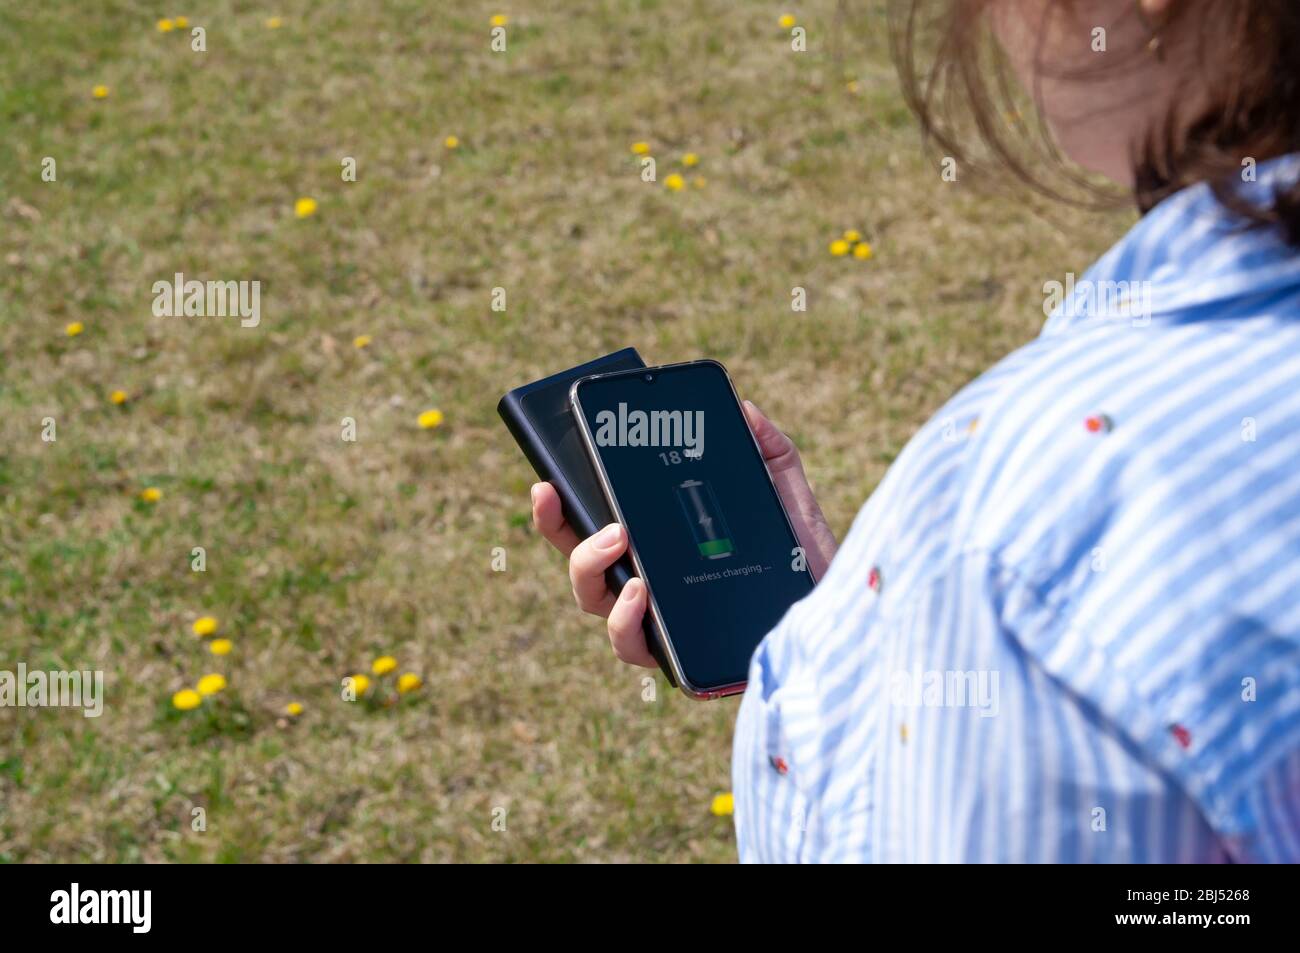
[(1188, 257)]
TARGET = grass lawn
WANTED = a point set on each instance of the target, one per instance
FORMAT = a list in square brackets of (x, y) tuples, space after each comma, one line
[(322, 553)]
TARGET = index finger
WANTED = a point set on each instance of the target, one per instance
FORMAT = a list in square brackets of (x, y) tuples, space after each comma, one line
[(777, 448), (548, 518)]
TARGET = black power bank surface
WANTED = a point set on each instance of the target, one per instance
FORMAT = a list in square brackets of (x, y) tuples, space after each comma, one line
[(539, 419)]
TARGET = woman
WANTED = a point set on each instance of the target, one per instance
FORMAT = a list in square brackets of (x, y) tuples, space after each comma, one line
[(1065, 626)]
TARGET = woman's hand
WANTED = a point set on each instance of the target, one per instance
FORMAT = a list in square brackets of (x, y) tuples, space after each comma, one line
[(589, 558)]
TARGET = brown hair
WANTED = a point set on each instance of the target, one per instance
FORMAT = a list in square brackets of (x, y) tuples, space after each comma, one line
[(1253, 110)]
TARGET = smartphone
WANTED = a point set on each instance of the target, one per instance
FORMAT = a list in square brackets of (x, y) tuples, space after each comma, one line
[(681, 470), (537, 415)]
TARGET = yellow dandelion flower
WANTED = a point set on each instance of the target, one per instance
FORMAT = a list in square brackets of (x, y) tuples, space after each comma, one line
[(690, 159), (674, 183), (100, 91), (220, 646), (165, 26), (787, 21), (293, 709), (699, 181), (430, 418), (852, 235), (186, 699), (304, 207), (211, 684), (452, 142), (383, 665), (274, 23), (862, 251), (499, 19), (409, 682), (724, 805), (360, 684), (74, 328), (205, 625), (182, 22), (641, 148), (851, 86), (839, 247), (151, 494), (118, 397), (360, 341)]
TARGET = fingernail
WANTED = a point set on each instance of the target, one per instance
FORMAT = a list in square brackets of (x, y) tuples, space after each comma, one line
[(608, 536), (534, 491), (637, 587)]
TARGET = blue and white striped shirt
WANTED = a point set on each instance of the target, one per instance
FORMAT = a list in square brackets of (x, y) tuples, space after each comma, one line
[(1066, 626)]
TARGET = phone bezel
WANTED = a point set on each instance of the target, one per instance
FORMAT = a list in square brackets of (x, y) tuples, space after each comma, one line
[(656, 617)]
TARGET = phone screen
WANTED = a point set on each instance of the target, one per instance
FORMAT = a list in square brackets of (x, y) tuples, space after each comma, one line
[(717, 551)]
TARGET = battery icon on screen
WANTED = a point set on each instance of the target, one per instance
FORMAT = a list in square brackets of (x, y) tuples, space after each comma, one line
[(712, 538)]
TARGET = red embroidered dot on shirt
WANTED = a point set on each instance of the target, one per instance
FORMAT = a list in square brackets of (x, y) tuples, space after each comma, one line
[(1099, 423), (1181, 735), (780, 765), (873, 579)]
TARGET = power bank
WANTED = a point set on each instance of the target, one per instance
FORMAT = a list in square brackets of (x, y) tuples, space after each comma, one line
[(538, 417)]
